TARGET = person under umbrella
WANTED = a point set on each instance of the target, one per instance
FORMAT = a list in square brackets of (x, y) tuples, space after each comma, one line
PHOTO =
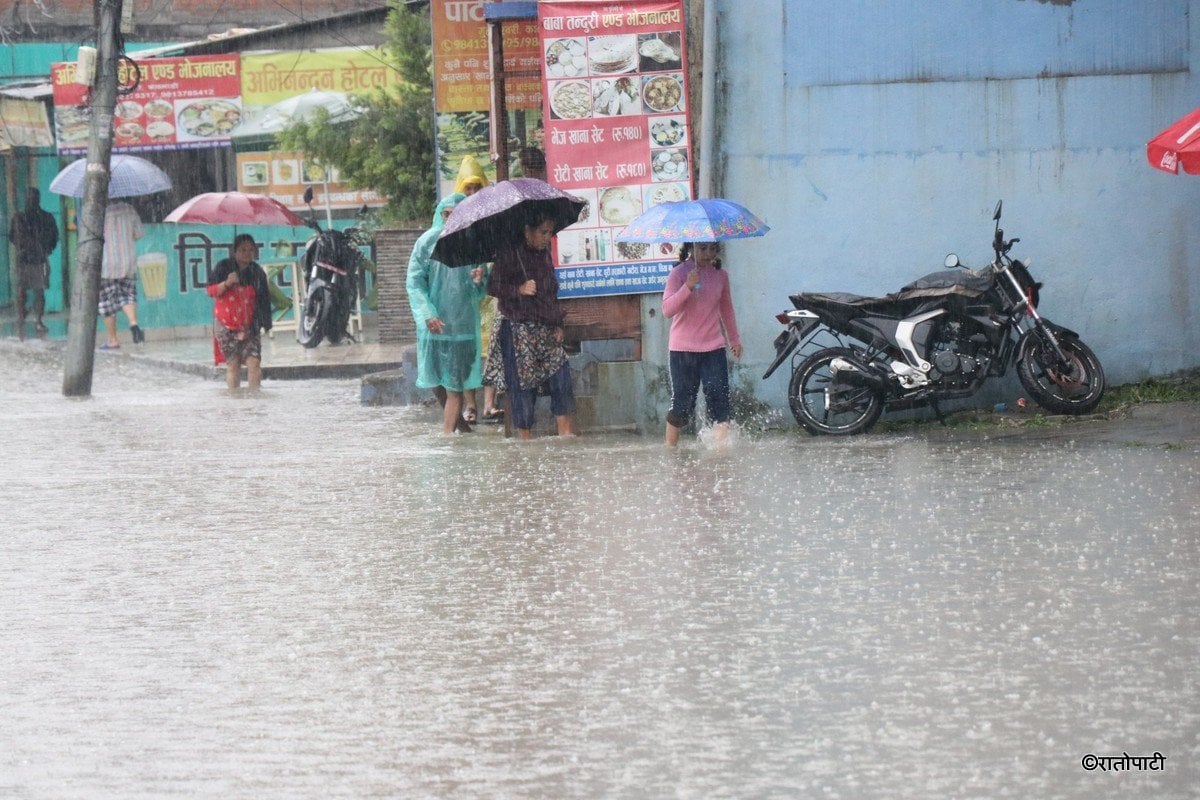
[(531, 332), (118, 272), (445, 307), (698, 302), (242, 309)]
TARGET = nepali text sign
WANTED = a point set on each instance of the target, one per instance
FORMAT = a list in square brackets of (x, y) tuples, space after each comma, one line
[(617, 126), (461, 59), (268, 78), (178, 103)]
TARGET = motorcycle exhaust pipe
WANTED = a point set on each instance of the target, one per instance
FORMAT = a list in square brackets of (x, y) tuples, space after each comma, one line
[(856, 373)]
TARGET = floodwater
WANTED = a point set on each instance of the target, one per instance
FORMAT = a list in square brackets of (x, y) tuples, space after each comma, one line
[(291, 595)]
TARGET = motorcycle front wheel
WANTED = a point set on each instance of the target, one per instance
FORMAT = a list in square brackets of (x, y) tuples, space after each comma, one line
[(315, 314), (339, 318), (1075, 388), (824, 404)]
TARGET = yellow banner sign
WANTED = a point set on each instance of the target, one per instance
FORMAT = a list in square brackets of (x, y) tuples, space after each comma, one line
[(268, 78)]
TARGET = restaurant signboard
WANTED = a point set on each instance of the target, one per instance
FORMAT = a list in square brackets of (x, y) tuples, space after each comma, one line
[(617, 134), (175, 104)]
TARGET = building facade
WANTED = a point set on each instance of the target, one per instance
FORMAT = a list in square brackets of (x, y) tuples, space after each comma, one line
[(877, 137)]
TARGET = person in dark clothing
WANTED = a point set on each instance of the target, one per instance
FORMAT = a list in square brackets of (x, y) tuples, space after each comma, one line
[(531, 333), (242, 309), (34, 233)]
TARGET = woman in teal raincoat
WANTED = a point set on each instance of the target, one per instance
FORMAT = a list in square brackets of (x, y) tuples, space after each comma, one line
[(445, 307)]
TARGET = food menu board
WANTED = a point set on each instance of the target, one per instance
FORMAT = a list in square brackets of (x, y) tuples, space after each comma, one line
[(616, 135), (179, 103)]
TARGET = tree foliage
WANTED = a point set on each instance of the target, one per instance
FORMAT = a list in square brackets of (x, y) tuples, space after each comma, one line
[(390, 148)]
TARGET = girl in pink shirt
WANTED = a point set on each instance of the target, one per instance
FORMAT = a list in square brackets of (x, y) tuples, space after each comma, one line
[(700, 307)]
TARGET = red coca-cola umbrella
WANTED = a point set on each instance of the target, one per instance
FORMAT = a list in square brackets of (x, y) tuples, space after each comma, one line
[(1177, 146), (235, 208)]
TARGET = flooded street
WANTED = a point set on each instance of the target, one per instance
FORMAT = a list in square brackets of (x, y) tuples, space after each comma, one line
[(292, 595)]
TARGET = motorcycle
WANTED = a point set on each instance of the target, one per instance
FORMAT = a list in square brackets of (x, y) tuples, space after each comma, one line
[(937, 339), (331, 264)]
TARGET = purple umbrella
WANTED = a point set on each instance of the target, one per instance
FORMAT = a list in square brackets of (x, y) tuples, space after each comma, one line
[(497, 214)]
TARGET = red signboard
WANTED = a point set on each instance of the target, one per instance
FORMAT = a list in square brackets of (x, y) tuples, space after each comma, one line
[(177, 103), (617, 133)]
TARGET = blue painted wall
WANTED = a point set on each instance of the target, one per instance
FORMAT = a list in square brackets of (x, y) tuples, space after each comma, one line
[(876, 137)]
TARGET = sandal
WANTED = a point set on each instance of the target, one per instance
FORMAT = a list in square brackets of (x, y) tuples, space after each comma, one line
[(469, 416), (494, 416)]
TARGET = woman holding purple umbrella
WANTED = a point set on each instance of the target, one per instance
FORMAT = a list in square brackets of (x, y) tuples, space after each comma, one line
[(531, 332), (698, 302)]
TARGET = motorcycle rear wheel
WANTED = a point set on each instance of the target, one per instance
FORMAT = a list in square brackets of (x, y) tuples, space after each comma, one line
[(314, 316), (1076, 390), (824, 405)]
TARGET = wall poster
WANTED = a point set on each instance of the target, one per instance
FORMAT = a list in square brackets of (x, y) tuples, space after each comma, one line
[(617, 121)]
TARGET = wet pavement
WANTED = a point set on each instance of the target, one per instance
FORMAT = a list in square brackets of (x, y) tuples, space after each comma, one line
[(190, 350), (287, 594)]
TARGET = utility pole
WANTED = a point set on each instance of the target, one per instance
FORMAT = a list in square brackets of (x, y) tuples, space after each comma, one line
[(85, 289)]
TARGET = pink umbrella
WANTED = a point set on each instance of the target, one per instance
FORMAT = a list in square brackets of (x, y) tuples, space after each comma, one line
[(235, 208), (1177, 146)]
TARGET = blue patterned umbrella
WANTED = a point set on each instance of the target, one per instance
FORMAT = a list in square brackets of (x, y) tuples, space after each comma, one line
[(709, 220), (496, 214), (131, 176)]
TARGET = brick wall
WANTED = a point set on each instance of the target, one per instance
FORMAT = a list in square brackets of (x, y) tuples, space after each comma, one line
[(393, 246)]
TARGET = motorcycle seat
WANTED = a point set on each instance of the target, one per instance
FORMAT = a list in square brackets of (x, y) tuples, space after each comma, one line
[(836, 300), (967, 282)]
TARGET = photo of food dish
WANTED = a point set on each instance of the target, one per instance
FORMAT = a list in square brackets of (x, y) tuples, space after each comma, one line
[(158, 108), (254, 173), (203, 119), (615, 96), (667, 131), (587, 217), (619, 205), (128, 109), (659, 51), (285, 171), (633, 251), (669, 165), (571, 100), (71, 124), (311, 172), (668, 250), (565, 58), (130, 132), (160, 130), (663, 93), (609, 54), (666, 193)]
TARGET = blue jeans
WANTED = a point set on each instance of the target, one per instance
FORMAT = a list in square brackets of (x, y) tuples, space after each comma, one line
[(521, 401), (688, 372)]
